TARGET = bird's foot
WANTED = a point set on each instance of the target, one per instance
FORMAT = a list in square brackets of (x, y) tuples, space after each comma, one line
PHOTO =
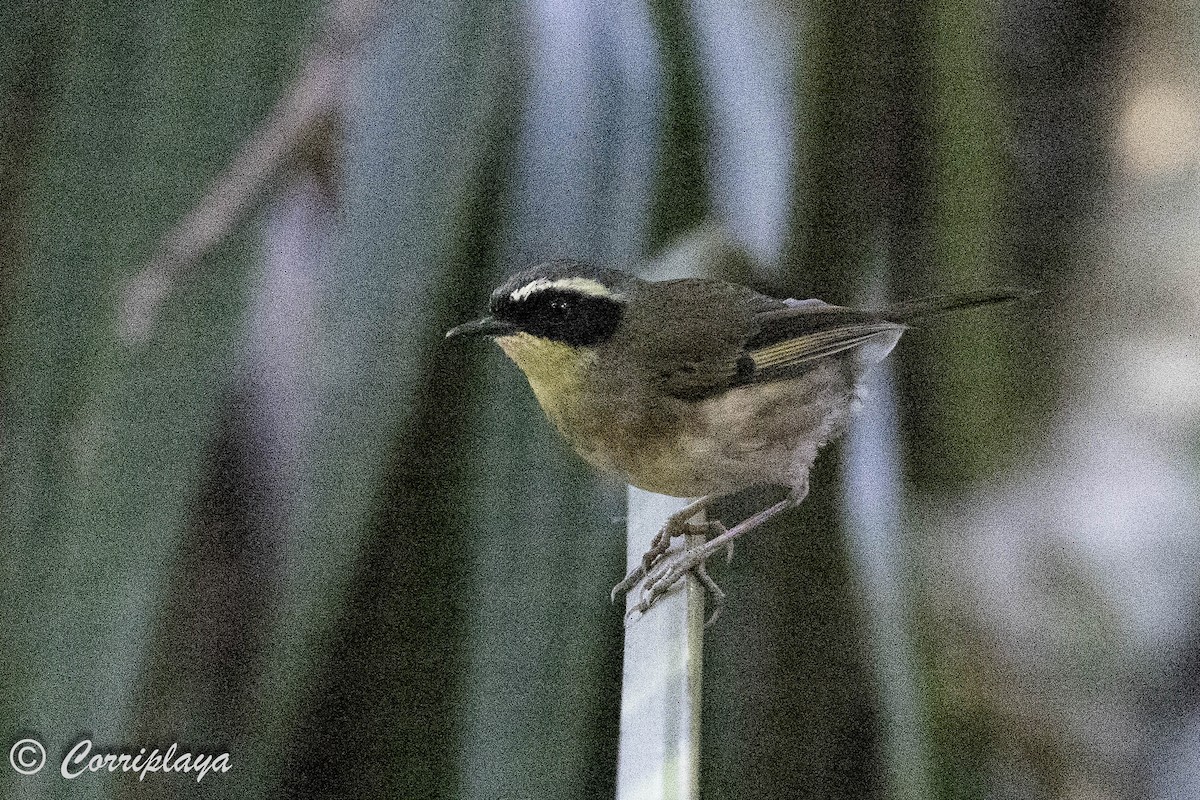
[(659, 548), (671, 570), (666, 570)]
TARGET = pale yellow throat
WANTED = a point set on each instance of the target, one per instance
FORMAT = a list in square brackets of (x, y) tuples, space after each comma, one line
[(555, 370)]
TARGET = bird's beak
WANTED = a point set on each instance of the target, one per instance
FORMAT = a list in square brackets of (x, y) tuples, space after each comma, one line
[(486, 326)]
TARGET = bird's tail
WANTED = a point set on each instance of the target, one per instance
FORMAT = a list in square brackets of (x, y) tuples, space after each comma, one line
[(928, 306)]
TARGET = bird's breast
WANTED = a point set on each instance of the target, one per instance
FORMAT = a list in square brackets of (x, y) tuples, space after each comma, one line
[(556, 371), (561, 377)]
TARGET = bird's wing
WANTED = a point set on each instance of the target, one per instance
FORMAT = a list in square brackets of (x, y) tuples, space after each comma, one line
[(724, 335), (747, 338), (790, 339), (707, 324)]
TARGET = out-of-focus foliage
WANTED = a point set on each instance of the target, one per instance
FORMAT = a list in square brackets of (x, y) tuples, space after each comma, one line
[(295, 525), (114, 116)]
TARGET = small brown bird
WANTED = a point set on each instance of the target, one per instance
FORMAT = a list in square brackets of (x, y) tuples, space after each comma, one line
[(694, 387)]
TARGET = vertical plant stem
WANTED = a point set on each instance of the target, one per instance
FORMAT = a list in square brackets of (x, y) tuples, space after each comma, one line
[(660, 697)]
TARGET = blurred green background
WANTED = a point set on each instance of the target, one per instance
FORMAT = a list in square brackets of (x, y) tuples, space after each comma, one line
[(286, 521)]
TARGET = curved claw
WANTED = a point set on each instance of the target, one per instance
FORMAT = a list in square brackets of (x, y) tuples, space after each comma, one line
[(627, 583), (659, 547), (658, 584)]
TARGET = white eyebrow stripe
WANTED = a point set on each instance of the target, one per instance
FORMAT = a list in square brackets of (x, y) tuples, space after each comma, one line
[(575, 284)]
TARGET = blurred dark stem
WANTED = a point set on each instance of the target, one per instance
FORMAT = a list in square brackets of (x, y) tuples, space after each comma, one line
[(208, 641), (1063, 66), (26, 70), (28, 50), (381, 718), (842, 102), (974, 402), (681, 195), (790, 703)]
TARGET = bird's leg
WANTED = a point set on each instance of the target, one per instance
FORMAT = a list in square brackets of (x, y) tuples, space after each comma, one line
[(676, 525), (672, 569)]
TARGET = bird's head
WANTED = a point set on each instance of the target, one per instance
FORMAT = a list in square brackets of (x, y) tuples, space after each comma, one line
[(552, 317)]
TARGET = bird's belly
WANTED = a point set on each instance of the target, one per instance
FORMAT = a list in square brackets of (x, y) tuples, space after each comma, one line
[(759, 434)]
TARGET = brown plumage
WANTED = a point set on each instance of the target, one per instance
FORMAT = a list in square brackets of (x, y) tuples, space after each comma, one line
[(693, 387)]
